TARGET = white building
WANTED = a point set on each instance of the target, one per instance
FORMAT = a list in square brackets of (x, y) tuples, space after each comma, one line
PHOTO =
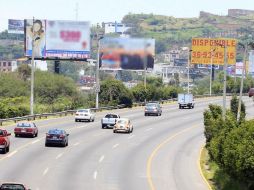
[(114, 27), (41, 65), (8, 66)]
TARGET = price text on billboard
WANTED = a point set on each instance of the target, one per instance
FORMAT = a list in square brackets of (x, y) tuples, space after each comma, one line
[(207, 50)]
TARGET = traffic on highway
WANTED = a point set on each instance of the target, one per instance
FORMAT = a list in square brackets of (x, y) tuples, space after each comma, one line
[(97, 159)]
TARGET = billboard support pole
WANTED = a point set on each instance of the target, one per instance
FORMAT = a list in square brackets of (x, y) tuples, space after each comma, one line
[(224, 83), (32, 75), (211, 74), (97, 89)]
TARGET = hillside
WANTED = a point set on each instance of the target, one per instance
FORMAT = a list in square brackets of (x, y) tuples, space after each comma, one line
[(170, 32)]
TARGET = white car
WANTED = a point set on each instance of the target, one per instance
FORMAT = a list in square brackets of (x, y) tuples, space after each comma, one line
[(84, 114)]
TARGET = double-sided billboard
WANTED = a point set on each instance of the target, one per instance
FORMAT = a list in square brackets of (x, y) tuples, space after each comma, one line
[(126, 53), (15, 26), (207, 50), (58, 39)]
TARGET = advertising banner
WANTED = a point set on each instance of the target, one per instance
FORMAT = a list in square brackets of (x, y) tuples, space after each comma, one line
[(207, 50), (68, 39), (251, 62), (15, 26), (126, 53), (58, 39), (239, 66), (39, 38)]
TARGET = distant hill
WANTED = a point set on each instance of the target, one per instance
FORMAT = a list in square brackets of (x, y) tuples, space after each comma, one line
[(175, 32)]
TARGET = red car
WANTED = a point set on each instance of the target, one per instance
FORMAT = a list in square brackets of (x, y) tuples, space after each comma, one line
[(4, 141), (26, 129), (11, 186), (251, 92)]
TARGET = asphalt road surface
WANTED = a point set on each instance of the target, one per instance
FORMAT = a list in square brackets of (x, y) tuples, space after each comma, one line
[(162, 153)]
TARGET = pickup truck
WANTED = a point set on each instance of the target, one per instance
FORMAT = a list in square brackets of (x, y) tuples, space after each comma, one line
[(185, 100), (109, 120), (4, 141)]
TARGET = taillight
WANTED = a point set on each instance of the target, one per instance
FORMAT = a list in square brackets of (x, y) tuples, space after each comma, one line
[(29, 130), (61, 136), (2, 142), (48, 136), (77, 114)]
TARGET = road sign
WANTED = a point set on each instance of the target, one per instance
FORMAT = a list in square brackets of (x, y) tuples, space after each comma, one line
[(97, 88), (207, 50)]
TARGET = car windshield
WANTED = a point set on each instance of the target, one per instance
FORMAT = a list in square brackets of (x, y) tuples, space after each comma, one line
[(121, 121), (111, 116), (55, 132), (150, 105), (12, 187), (24, 125), (83, 111)]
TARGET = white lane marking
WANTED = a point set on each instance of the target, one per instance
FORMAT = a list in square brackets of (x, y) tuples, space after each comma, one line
[(35, 141), (130, 137), (11, 154), (95, 174), (81, 127), (101, 158), (45, 171), (59, 155), (148, 129), (77, 143), (116, 145)]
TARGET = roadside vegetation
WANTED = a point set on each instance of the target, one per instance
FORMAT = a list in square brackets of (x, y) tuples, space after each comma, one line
[(229, 161), (55, 93)]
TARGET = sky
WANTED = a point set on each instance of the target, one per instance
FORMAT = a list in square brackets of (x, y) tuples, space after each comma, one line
[(98, 11)]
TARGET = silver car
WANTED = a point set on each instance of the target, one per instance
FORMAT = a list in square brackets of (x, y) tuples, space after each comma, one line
[(85, 114), (153, 109)]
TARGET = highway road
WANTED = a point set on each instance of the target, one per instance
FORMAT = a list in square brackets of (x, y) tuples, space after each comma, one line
[(162, 153)]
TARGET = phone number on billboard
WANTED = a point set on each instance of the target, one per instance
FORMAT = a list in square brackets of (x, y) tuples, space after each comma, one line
[(218, 55)]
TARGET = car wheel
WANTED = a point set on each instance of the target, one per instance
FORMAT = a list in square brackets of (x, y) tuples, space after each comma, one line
[(16, 135), (67, 143), (114, 131), (8, 149), (4, 150), (102, 126), (46, 144), (90, 120), (145, 114), (93, 119), (36, 135), (76, 120)]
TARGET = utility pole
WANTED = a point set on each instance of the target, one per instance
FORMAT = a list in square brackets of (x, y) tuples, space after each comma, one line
[(32, 74), (224, 83)]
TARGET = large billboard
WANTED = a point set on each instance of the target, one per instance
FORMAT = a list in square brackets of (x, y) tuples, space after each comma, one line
[(15, 26), (126, 53), (58, 39), (207, 50)]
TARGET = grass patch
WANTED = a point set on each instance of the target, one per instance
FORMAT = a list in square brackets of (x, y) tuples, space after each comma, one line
[(216, 177)]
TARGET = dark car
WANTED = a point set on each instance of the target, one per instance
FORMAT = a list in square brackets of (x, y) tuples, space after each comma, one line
[(13, 186), (153, 109), (26, 129), (251, 92), (56, 137)]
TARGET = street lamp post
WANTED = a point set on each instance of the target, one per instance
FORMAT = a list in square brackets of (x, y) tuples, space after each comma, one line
[(32, 74), (224, 83)]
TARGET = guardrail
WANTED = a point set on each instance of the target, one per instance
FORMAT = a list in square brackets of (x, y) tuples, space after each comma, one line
[(68, 112)]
